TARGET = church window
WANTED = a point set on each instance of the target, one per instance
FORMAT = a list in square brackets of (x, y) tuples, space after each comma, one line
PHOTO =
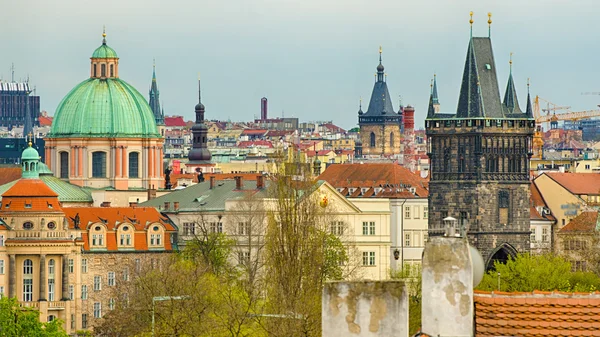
[(99, 164), (503, 205), (103, 70), (391, 140), (134, 158), (372, 142), (64, 165), (112, 70), (95, 70)]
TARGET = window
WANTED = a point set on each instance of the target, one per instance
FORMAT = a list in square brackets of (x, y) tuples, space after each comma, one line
[(71, 264), (71, 292), (84, 322), (391, 139), (417, 212), (134, 158), (51, 267), (1, 291), (407, 239), (1, 240), (155, 239), (125, 239), (97, 310), (103, 70), (99, 164), (126, 274), (244, 257), (545, 235), (243, 228), (587, 166), (369, 228), (28, 267), (84, 292), (1, 266), (372, 139), (97, 283), (337, 228), (532, 235), (51, 318), (138, 266), (189, 228), (64, 165), (51, 224), (463, 220), (95, 70), (51, 288), (112, 70), (27, 225), (425, 213), (216, 227), (84, 266), (368, 258), (503, 203), (111, 304), (407, 212), (72, 321), (111, 278)]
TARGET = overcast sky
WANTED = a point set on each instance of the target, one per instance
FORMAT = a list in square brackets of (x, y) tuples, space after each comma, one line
[(312, 59)]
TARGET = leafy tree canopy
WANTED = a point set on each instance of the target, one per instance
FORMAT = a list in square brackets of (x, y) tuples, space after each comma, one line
[(16, 321)]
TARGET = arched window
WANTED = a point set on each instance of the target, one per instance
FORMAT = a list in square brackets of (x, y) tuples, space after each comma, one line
[(134, 158), (391, 140), (112, 70), (95, 70), (64, 165), (99, 164), (372, 139), (103, 70), (27, 280)]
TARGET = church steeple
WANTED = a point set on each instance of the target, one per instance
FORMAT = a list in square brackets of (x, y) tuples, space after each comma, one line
[(380, 68), (199, 152), (431, 108), (510, 96), (154, 100), (529, 110)]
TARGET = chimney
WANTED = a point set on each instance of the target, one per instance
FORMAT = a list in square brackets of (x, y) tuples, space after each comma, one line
[(238, 182), (167, 205), (105, 204), (132, 204), (260, 182), (212, 182), (151, 193), (175, 205)]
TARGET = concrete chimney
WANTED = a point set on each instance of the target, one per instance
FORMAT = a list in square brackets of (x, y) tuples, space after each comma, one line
[(151, 193), (447, 287), (260, 182), (238, 182), (212, 182)]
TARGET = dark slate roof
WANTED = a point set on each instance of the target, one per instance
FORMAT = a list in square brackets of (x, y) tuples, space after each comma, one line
[(380, 101), (511, 103), (430, 109), (479, 93), (434, 93), (529, 110)]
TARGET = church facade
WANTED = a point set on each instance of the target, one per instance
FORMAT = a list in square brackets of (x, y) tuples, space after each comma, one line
[(480, 160)]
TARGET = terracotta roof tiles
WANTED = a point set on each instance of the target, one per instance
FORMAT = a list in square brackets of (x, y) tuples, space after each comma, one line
[(29, 188), (577, 183), (583, 223)]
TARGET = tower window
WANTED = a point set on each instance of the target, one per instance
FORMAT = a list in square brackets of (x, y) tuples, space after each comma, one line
[(99, 164), (134, 158), (95, 70), (372, 141), (112, 70), (103, 70), (503, 206), (64, 165)]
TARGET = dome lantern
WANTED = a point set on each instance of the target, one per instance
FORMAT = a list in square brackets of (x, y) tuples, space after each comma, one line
[(105, 62)]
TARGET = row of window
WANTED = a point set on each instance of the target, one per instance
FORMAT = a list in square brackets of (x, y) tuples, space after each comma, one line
[(192, 228), (545, 236), (99, 164), (473, 122), (415, 212)]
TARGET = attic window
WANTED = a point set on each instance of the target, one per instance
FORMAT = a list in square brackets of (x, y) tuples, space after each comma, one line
[(488, 66), (50, 205), (98, 228), (28, 204), (7, 205)]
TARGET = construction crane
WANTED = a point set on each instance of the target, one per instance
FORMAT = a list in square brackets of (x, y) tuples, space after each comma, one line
[(549, 107)]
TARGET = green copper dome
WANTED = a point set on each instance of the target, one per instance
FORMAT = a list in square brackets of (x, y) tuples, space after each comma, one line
[(103, 108), (104, 52), (30, 154)]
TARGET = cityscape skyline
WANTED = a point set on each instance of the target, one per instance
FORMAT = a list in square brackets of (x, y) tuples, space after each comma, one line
[(311, 60)]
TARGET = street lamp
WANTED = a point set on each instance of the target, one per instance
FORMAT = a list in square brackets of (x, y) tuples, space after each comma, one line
[(164, 298)]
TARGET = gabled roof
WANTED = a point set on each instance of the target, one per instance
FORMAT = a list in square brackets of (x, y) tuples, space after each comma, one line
[(9, 173), (174, 121), (45, 121), (536, 314), (254, 132), (577, 183), (537, 200), (583, 223)]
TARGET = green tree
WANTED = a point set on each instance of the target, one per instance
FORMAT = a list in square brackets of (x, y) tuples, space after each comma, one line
[(17, 321), (546, 272)]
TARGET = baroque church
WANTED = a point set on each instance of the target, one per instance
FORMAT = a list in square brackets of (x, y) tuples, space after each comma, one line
[(479, 159), (104, 133)]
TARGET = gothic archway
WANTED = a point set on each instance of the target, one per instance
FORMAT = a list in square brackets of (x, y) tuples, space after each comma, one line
[(500, 254)]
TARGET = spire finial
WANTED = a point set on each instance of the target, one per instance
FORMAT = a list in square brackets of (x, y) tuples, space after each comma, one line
[(431, 87), (510, 62), (104, 35), (360, 103), (380, 51), (153, 69), (30, 137), (199, 91), (385, 76), (527, 85), (489, 24), (471, 22)]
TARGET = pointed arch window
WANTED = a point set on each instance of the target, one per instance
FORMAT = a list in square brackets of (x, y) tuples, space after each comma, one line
[(372, 140)]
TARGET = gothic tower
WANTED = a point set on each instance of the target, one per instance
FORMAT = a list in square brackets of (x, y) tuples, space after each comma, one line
[(479, 158), (380, 125), (154, 102)]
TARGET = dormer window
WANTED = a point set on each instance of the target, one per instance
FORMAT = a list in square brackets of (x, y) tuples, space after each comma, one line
[(50, 205), (97, 240), (7, 205), (28, 204)]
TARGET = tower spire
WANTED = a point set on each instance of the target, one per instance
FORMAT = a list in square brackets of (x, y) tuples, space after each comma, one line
[(104, 35), (471, 22), (380, 74), (510, 96), (154, 100), (528, 110), (489, 24), (199, 91), (434, 90), (153, 70)]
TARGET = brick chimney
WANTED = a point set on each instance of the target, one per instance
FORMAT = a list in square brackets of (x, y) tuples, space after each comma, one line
[(239, 182), (151, 193), (260, 182), (105, 204), (212, 182), (175, 205), (167, 205)]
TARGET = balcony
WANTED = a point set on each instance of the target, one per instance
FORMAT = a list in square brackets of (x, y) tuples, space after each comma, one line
[(29, 234), (56, 305)]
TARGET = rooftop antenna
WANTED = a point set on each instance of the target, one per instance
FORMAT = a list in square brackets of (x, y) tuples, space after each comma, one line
[(489, 24)]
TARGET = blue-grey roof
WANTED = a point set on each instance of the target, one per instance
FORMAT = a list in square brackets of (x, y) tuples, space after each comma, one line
[(511, 103), (381, 102)]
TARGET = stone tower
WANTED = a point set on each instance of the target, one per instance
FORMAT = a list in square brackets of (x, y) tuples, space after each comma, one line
[(479, 157), (380, 125)]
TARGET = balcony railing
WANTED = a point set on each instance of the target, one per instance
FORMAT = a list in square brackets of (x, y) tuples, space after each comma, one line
[(29, 234), (56, 305)]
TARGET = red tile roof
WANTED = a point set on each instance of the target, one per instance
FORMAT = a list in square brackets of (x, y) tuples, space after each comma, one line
[(577, 183), (141, 218), (45, 121), (175, 121), (333, 128), (29, 188), (583, 223), (536, 314), (253, 132), (537, 200), (9, 173), (395, 180)]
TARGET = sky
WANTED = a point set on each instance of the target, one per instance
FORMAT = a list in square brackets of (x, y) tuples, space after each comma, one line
[(312, 59)]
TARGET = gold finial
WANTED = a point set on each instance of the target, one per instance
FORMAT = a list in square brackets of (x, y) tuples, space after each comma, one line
[(103, 31), (30, 136), (380, 50), (489, 18), (198, 76), (510, 59), (471, 20)]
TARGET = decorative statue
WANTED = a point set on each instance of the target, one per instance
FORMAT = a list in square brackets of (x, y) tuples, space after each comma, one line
[(200, 175), (76, 220), (168, 178)]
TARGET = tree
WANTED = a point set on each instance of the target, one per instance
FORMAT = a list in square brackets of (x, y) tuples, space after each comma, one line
[(538, 272), (22, 321)]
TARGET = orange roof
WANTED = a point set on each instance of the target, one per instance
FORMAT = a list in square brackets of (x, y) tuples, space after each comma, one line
[(577, 183), (584, 222), (384, 175), (45, 121), (9, 173), (246, 176), (111, 217), (30, 188), (536, 314), (537, 200)]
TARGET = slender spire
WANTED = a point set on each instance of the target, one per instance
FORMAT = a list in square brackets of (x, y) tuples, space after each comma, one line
[(153, 70), (380, 74), (471, 22), (154, 100), (430, 109), (104, 35), (489, 24), (434, 90), (199, 90), (511, 102), (529, 110), (360, 111)]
